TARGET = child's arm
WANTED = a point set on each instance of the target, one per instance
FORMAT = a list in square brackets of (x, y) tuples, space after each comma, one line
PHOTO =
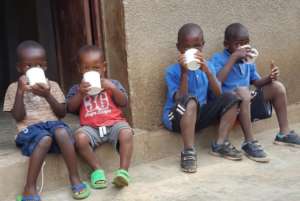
[(183, 88), (74, 102), (18, 110), (43, 90), (119, 97), (235, 56), (215, 87), (274, 75)]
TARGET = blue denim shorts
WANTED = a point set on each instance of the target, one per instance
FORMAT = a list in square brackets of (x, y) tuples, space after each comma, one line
[(29, 138)]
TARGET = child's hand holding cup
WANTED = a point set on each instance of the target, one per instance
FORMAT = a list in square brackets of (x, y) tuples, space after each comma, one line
[(93, 78), (252, 55)]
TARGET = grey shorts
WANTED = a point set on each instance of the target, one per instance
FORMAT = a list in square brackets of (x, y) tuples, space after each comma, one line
[(102, 135)]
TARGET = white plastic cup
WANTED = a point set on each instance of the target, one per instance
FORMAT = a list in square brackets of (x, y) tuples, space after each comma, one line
[(190, 59), (254, 54), (93, 77), (36, 75)]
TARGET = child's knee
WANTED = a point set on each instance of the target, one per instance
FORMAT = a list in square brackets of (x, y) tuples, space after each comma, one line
[(125, 136), (61, 133), (191, 106), (81, 140), (244, 94), (279, 87), (45, 142)]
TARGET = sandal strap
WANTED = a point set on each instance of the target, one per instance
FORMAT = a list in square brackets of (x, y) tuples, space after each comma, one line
[(77, 188), (188, 156), (123, 172), (98, 175)]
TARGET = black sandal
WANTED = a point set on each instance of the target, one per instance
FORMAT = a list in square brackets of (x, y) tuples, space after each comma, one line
[(189, 160)]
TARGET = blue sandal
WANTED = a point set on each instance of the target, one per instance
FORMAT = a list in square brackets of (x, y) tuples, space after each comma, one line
[(81, 191), (28, 198)]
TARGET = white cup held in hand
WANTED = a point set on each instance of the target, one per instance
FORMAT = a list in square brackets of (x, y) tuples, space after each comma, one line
[(253, 53), (36, 75), (190, 59), (93, 77)]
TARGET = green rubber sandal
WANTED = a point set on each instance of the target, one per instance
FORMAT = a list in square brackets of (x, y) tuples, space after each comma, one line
[(98, 179), (121, 179), (81, 191)]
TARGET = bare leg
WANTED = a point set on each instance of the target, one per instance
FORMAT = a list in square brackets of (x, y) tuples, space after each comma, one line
[(226, 123), (68, 152), (35, 164), (85, 150), (126, 147), (245, 113), (187, 124), (276, 93)]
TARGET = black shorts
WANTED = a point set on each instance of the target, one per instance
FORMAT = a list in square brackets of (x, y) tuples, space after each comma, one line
[(260, 108), (206, 114)]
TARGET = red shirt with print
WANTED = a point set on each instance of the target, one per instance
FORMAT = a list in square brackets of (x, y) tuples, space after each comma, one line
[(100, 110)]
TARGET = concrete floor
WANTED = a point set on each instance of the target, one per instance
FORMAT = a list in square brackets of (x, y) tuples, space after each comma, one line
[(217, 179)]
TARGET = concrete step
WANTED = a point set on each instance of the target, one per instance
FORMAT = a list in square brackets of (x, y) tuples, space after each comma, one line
[(148, 146), (217, 179)]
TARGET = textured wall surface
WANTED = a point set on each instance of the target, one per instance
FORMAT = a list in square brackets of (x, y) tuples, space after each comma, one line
[(151, 31)]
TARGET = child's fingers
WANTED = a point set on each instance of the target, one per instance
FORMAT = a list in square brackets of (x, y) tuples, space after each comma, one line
[(275, 72), (181, 58), (248, 54), (199, 54), (199, 57), (275, 68), (273, 64), (85, 84)]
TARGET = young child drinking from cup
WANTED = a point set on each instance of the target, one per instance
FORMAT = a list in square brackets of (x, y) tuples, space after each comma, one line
[(37, 109), (101, 118), (187, 110), (236, 76)]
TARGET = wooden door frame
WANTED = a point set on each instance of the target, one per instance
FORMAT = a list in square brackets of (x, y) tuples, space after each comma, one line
[(59, 49), (104, 21)]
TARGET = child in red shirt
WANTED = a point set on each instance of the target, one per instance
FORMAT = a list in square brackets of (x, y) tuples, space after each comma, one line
[(101, 118)]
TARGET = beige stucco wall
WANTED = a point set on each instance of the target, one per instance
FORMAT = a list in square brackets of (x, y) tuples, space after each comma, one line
[(151, 31)]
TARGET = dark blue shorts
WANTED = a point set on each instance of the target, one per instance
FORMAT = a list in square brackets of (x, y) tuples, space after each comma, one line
[(260, 108), (29, 138), (207, 113)]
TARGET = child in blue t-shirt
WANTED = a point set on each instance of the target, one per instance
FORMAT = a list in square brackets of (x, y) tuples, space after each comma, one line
[(237, 76), (186, 108)]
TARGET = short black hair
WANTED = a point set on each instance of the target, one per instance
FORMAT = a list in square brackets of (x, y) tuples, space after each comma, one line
[(188, 29), (89, 48), (29, 44), (234, 31)]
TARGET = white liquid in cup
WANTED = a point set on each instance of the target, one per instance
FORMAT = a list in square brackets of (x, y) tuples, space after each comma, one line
[(36, 75), (190, 59), (93, 77), (254, 54)]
